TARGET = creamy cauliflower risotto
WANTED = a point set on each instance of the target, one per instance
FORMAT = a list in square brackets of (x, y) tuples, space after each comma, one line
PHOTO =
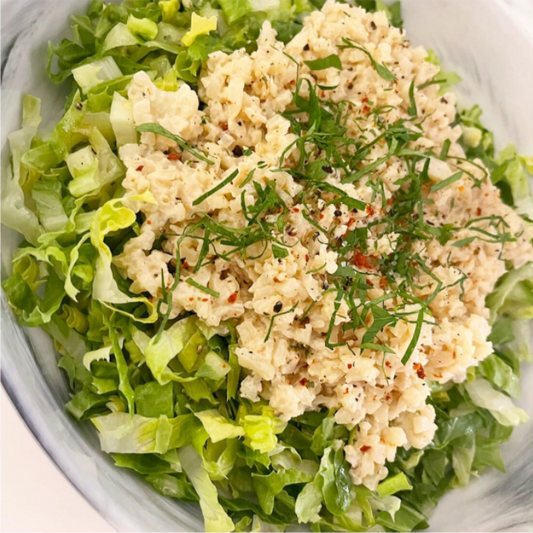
[(285, 276)]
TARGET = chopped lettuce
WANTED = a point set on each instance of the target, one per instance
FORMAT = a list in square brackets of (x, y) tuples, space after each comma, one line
[(515, 170), (93, 167), (144, 28), (15, 211), (93, 74), (125, 433), (119, 37), (159, 352), (513, 295), (500, 374), (122, 121), (199, 26), (497, 403), (218, 427), (394, 484), (215, 518), (113, 216), (260, 430)]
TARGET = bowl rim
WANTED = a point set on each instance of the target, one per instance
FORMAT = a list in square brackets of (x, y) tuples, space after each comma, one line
[(36, 425)]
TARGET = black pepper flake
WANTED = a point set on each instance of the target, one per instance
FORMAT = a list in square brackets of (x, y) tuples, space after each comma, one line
[(373, 25), (278, 307), (327, 169), (306, 47), (237, 151), (338, 213), (79, 106)]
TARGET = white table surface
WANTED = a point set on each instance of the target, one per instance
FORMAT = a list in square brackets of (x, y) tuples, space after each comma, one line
[(35, 496)]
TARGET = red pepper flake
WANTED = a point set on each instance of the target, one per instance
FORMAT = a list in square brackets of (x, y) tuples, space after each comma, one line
[(321, 216), (224, 126), (173, 157), (419, 370), (478, 211), (233, 298), (365, 100), (295, 209), (140, 168), (383, 283), (350, 365), (323, 95), (387, 364), (370, 210), (307, 258), (351, 222), (223, 366), (205, 299), (361, 260), (389, 201), (303, 382), (191, 299), (366, 110), (365, 448), (185, 265), (347, 390), (369, 283), (149, 222)]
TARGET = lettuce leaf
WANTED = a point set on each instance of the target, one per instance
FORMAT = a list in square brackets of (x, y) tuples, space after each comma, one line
[(393, 484), (260, 430), (497, 403), (159, 352), (93, 74), (218, 427), (267, 487), (215, 518), (15, 212), (154, 400), (513, 295), (199, 26), (113, 216), (175, 486), (500, 374), (122, 433)]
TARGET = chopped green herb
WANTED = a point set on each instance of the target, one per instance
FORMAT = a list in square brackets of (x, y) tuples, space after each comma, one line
[(447, 182), (331, 61), (202, 288), (221, 185)]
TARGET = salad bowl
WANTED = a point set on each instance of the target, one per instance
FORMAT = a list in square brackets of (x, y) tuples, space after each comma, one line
[(482, 41)]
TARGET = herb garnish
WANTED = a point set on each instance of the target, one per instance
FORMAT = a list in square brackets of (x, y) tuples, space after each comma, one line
[(182, 143), (332, 61)]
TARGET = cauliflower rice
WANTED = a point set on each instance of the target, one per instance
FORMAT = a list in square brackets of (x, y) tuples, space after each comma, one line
[(237, 120)]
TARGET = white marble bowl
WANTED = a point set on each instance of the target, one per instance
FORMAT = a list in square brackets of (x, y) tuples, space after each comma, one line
[(478, 38)]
